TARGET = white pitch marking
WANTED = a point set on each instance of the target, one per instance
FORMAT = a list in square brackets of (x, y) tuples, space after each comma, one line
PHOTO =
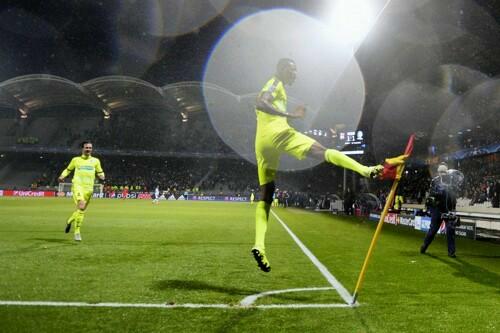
[(249, 300), (302, 306), (169, 306), (112, 305), (346, 296)]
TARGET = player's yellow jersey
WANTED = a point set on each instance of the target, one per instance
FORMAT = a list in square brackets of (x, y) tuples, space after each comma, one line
[(85, 169), (277, 90)]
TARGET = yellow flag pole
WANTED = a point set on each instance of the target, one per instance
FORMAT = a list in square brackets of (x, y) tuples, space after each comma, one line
[(387, 205)]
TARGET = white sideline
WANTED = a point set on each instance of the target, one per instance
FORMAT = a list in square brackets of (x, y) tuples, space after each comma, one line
[(112, 305), (246, 303), (169, 306), (346, 296)]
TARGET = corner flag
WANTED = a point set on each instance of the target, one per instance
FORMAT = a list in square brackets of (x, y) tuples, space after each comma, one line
[(393, 169)]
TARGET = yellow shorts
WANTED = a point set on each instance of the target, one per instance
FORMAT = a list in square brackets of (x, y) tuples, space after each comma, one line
[(270, 145), (81, 194)]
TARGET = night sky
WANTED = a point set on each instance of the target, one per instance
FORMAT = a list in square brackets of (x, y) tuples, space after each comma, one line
[(81, 40)]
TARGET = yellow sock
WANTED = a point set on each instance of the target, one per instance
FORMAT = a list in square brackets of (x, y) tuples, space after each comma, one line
[(79, 220), (72, 217), (336, 157), (261, 217)]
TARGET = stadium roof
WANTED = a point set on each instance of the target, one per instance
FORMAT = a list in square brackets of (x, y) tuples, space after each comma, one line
[(118, 93), (29, 93), (109, 94), (188, 98)]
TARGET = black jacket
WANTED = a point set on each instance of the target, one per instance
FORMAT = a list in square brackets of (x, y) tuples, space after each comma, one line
[(442, 195)]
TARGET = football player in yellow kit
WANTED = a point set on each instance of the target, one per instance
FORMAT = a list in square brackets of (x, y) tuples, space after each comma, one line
[(274, 136), (85, 168)]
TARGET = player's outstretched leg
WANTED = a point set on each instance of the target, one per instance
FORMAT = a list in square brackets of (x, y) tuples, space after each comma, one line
[(70, 221), (338, 158)]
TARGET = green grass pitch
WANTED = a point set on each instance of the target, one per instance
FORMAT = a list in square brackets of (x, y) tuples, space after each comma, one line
[(179, 253)]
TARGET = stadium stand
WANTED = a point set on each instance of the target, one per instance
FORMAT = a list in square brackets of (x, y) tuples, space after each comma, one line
[(148, 136)]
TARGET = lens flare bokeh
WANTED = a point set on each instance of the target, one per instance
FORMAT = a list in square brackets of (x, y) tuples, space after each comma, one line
[(329, 80), (430, 103)]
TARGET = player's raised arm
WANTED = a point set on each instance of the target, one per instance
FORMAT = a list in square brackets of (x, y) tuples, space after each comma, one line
[(265, 104), (67, 171)]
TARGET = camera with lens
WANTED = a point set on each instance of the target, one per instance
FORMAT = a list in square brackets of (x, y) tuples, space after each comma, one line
[(451, 218), (430, 202)]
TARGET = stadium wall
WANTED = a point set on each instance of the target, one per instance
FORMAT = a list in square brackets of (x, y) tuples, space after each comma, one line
[(16, 193), (119, 195), (422, 223)]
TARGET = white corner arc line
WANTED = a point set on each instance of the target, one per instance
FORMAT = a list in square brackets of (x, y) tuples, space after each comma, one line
[(346, 296), (302, 306), (249, 300)]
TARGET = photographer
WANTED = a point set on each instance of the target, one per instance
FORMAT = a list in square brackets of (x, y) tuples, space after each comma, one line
[(440, 202)]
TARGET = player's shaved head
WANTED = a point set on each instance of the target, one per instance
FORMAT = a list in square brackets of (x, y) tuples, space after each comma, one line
[(284, 64), (286, 70)]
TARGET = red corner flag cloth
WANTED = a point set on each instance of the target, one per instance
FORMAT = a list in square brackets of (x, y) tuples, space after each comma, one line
[(393, 165)]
